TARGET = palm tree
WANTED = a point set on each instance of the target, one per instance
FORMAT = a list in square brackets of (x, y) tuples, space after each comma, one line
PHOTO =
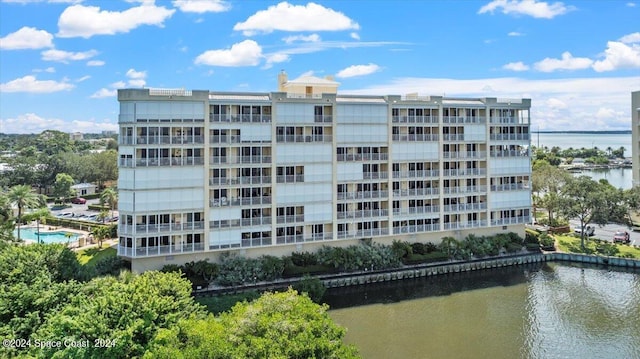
[(23, 197), (110, 196)]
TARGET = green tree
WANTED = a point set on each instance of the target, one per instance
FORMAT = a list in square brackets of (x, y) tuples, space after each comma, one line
[(276, 325), (40, 216), (129, 310), (547, 181), (22, 197), (110, 197), (586, 200), (101, 233), (6, 219), (62, 187)]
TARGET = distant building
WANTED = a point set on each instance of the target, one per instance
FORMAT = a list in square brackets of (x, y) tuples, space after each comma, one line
[(635, 136), (108, 133), (83, 189), (76, 136), (203, 173)]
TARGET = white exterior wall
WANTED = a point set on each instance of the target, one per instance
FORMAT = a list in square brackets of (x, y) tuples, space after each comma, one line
[(509, 165), (297, 193), (415, 151), (292, 153)]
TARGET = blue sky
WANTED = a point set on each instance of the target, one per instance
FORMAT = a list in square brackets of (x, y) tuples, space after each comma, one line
[(61, 61)]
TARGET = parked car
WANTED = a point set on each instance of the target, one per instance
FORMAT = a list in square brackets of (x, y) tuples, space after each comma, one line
[(621, 237), (588, 230), (65, 215), (79, 200)]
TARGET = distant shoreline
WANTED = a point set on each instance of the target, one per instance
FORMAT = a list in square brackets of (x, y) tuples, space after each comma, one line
[(624, 132)]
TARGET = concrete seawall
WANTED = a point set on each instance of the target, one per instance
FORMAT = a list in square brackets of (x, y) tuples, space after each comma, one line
[(430, 269)]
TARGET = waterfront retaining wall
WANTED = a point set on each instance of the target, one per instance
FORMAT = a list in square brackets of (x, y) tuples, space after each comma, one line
[(431, 269)]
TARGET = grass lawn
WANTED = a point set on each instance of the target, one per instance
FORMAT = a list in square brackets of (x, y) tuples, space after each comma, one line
[(90, 256), (571, 243)]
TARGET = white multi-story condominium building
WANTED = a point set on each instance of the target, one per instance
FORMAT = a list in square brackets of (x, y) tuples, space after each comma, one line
[(202, 173), (635, 136)]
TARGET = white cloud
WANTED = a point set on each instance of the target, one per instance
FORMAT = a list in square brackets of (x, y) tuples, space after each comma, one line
[(66, 56), (31, 84), (516, 66), (202, 6), (515, 33), (533, 8), (87, 21), (119, 85), (37, 1), (29, 123), (585, 95), (136, 78), (275, 58), (83, 78), (103, 93), (288, 17), (245, 53), (631, 38), (619, 56), (555, 104), (26, 38), (48, 69), (604, 113), (302, 38), (358, 70), (630, 4), (355, 36), (567, 62), (95, 63)]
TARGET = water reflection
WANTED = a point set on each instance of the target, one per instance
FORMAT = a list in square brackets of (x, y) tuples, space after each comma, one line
[(538, 311)]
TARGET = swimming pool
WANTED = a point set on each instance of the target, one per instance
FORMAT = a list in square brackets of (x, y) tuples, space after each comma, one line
[(46, 237)]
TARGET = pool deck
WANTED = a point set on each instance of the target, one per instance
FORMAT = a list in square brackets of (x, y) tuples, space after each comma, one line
[(89, 241)]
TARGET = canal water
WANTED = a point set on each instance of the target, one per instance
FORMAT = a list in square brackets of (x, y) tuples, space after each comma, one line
[(537, 311)]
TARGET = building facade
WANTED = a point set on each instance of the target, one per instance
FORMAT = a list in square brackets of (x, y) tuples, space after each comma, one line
[(635, 136), (202, 173)]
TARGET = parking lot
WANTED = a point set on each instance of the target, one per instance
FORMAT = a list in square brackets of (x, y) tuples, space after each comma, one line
[(607, 232), (82, 212)]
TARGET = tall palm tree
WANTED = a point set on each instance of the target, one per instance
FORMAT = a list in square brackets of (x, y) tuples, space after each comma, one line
[(110, 196), (23, 197)]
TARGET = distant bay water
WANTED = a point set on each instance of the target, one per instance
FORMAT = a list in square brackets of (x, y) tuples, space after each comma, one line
[(619, 177)]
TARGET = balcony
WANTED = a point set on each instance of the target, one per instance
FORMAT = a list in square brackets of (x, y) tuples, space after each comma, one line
[(415, 137), (363, 233), (464, 190), (509, 187), (464, 225), (416, 228), (159, 250), (375, 175), (510, 153), (366, 213), (222, 181), (162, 227), (453, 137), (416, 192), (224, 139), (290, 179), (416, 174), (293, 238), (511, 220), (362, 194), (290, 219), (303, 138), (239, 159), (414, 119), (463, 119), (504, 119), (246, 201), (323, 118), (509, 137), (239, 118), (363, 157), (468, 154), (464, 172), (464, 207), (415, 210), (164, 161)]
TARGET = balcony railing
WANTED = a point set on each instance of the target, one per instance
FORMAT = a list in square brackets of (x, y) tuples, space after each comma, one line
[(244, 222), (415, 192), (159, 250), (509, 187), (247, 201), (290, 219), (465, 207), (510, 137), (364, 233), (239, 159), (362, 194), (416, 174), (221, 181), (375, 175), (453, 137), (367, 213), (289, 178), (511, 153), (414, 119), (303, 138), (415, 137), (469, 154), (464, 119), (224, 139), (510, 220), (323, 118), (163, 227), (363, 157), (459, 225), (176, 161), (239, 118), (415, 210), (416, 228), (464, 190), (465, 172), (504, 119), (294, 238)]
